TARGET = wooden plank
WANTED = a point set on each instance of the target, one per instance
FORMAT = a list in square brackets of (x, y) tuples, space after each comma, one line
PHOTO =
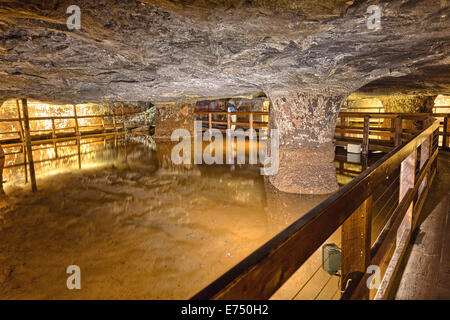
[(356, 235), (343, 124), (366, 133), (53, 128), (28, 144), (407, 181), (445, 131), (123, 118), (398, 131), (19, 117), (77, 128), (79, 151)]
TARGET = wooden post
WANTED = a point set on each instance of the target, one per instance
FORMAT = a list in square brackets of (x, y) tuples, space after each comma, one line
[(55, 147), (103, 124), (77, 128), (356, 236), (25, 162), (79, 151), (445, 131), (250, 120), (366, 133), (424, 155), (123, 119), (407, 181), (210, 121), (28, 144), (343, 124), (53, 128), (398, 131), (20, 122), (228, 121), (113, 118)]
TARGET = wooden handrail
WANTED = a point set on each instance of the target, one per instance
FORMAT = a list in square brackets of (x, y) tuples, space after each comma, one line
[(264, 271), (349, 129)]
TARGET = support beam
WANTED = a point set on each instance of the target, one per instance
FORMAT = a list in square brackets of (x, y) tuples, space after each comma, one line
[(398, 131), (28, 144), (445, 131), (2, 164), (356, 235), (77, 128), (124, 127), (366, 134), (20, 121)]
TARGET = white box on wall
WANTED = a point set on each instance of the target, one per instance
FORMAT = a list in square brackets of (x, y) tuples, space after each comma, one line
[(354, 148)]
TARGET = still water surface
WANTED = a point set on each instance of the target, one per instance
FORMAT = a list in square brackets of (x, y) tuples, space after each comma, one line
[(137, 226)]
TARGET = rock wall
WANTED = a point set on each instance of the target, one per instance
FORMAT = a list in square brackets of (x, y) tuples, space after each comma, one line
[(172, 116), (408, 103)]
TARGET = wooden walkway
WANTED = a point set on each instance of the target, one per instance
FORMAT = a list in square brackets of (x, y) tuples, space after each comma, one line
[(411, 166), (426, 273)]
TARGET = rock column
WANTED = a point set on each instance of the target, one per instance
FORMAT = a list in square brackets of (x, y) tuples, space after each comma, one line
[(306, 124), (173, 115)]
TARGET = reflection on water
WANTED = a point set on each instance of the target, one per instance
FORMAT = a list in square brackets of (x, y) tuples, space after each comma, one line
[(138, 226), (62, 155)]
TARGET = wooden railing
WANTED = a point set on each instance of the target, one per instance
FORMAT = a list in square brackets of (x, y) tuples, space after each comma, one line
[(351, 208), (225, 122), (384, 131), (108, 123), (26, 139), (56, 145), (374, 131)]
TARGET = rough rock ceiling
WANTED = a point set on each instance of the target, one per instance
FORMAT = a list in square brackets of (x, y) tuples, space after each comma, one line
[(168, 50)]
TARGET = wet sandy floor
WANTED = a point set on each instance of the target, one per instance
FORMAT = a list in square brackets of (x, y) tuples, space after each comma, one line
[(136, 228)]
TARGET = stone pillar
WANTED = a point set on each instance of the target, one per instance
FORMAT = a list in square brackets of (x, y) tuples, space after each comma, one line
[(306, 124), (173, 115), (408, 103)]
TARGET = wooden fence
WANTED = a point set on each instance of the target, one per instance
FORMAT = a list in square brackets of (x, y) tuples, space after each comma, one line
[(374, 131), (109, 123)]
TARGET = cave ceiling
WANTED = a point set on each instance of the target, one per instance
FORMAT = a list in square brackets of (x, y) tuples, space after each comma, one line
[(171, 50)]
